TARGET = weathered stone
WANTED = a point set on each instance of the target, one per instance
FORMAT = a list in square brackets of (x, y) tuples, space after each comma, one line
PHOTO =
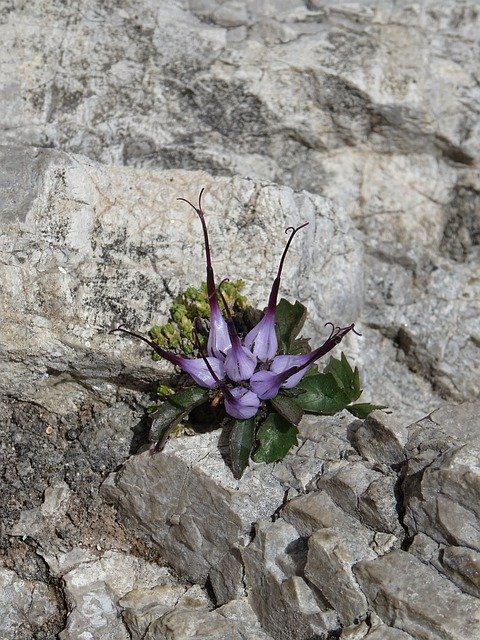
[(364, 493), (143, 607), (380, 438), (446, 505), (233, 621), (415, 598), (187, 502), (284, 604), (344, 114), (331, 554), (25, 606), (97, 247), (462, 566), (388, 633), (93, 590)]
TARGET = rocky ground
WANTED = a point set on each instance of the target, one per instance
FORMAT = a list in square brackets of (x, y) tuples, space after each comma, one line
[(368, 113)]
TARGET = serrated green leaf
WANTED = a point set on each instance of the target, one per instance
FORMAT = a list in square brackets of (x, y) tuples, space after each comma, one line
[(299, 346), (321, 394), (174, 409), (287, 407), (347, 379), (363, 409), (290, 319), (242, 439), (276, 436)]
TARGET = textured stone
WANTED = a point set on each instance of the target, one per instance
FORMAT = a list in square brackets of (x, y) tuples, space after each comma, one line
[(233, 621), (285, 605), (365, 493), (380, 438), (25, 606), (97, 246), (344, 114), (388, 633), (462, 566), (331, 554), (93, 590), (409, 595), (187, 502), (442, 483)]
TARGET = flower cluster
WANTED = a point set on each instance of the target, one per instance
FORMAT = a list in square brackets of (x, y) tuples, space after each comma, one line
[(247, 369)]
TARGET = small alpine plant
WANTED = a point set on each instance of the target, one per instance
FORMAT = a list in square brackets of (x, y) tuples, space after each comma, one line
[(265, 377)]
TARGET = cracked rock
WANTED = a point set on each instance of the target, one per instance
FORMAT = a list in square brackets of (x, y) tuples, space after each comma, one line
[(186, 501), (442, 482), (415, 598), (25, 606)]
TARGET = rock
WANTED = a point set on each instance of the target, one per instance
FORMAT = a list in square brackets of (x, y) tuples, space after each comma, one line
[(388, 633), (442, 482), (393, 143), (336, 541), (233, 621), (364, 493), (462, 566), (331, 554), (94, 589), (93, 247), (189, 504), (285, 605), (26, 607), (380, 438), (391, 585), (143, 607)]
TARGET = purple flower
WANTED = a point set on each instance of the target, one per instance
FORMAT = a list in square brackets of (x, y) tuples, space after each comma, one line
[(247, 372), (241, 403), (262, 339)]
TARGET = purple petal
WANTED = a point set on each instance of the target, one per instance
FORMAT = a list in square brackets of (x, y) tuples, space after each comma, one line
[(199, 371), (241, 403), (280, 364), (266, 384), (262, 339), (206, 372), (239, 363), (218, 338)]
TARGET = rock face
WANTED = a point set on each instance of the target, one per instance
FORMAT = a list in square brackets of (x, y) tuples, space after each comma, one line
[(109, 112), (316, 95)]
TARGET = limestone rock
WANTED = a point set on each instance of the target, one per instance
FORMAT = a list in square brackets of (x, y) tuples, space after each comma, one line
[(25, 606), (364, 492), (93, 590), (187, 502), (233, 621), (380, 438), (285, 605), (86, 247), (442, 483), (407, 594), (462, 566)]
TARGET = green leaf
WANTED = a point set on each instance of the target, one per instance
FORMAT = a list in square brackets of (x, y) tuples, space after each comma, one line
[(276, 436), (363, 409), (347, 379), (287, 407), (321, 394), (242, 439), (290, 319), (174, 409)]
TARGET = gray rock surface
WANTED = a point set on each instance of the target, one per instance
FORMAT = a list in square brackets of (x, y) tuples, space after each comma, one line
[(89, 247), (316, 95), (161, 99), (419, 600), (442, 481)]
